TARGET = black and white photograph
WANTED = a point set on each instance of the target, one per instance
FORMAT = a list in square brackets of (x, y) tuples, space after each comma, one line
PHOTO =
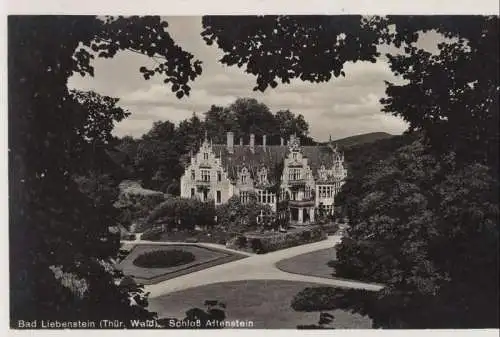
[(274, 171)]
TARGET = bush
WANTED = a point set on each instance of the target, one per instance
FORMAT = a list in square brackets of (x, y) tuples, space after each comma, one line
[(152, 234), (331, 228), (315, 299), (256, 245), (241, 242), (267, 243), (164, 259)]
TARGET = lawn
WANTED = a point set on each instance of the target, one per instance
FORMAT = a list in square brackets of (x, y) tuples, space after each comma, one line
[(266, 303), (205, 258), (313, 264)]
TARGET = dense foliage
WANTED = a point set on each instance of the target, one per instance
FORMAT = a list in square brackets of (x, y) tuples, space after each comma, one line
[(212, 317), (237, 217), (424, 221), (135, 204), (182, 213), (53, 224), (262, 243), (164, 258)]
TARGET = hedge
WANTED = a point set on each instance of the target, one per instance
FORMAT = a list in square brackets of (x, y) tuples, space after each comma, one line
[(331, 228), (152, 234), (271, 242), (164, 258)]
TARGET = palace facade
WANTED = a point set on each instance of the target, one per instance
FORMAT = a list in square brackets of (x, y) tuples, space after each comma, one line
[(309, 176)]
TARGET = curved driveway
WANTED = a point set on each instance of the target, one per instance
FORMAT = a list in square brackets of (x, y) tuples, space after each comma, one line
[(254, 267)]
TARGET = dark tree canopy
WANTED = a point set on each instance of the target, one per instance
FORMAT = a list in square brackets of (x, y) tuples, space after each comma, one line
[(452, 96), (52, 224), (416, 223)]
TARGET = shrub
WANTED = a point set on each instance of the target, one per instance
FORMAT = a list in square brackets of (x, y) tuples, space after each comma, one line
[(183, 213), (315, 299), (128, 283), (256, 245), (331, 228), (241, 242), (152, 234), (164, 258), (267, 243)]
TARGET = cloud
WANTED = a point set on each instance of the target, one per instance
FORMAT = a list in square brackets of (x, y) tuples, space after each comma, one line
[(342, 107)]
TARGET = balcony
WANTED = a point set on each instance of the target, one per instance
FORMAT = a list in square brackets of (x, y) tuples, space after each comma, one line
[(203, 182), (297, 182), (301, 203)]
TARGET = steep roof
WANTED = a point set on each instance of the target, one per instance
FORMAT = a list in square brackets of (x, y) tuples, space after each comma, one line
[(270, 157)]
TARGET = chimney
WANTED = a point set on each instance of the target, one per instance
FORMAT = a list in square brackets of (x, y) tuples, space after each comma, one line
[(241, 141), (230, 142), (264, 141), (252, 142), (282, 141)]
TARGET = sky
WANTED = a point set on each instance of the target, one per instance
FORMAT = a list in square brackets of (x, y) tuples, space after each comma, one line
[(340, 108)]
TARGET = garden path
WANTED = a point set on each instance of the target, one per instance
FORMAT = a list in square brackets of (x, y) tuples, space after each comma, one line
[(254, 267)]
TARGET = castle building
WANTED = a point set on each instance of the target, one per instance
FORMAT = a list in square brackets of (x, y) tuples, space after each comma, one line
[(309, 176)]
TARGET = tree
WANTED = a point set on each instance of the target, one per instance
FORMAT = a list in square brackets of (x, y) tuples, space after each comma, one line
[(460, 113), (252, 117), (183, 213), (52, 223), (218, 121), (451, 99), (238, 217), (289, 125), (427, 231), (452, 95)]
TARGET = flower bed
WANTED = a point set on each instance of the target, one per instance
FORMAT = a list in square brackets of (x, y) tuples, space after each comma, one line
[(164, 258), (262, 243)]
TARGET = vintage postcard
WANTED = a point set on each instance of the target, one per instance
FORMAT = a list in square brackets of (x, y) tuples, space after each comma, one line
[(253, 171)]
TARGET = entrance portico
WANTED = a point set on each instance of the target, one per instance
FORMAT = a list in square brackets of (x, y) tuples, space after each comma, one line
[(301, 212)]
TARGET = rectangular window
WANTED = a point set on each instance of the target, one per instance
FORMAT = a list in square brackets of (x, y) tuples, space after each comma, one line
[(193, 176), (294, 195), (218, 197), (294, 174), (219, 175), (192, 193), (205, 195), (244, 197), (205, 156), (205, 175), (244, 179)]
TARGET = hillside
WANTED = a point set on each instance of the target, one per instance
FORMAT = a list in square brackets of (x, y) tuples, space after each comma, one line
[(361, 139)]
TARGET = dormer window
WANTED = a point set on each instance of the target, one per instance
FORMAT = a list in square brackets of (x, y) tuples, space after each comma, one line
[(294, 155), (192, 175), (205, 156), (263, 175), (244, 176)]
